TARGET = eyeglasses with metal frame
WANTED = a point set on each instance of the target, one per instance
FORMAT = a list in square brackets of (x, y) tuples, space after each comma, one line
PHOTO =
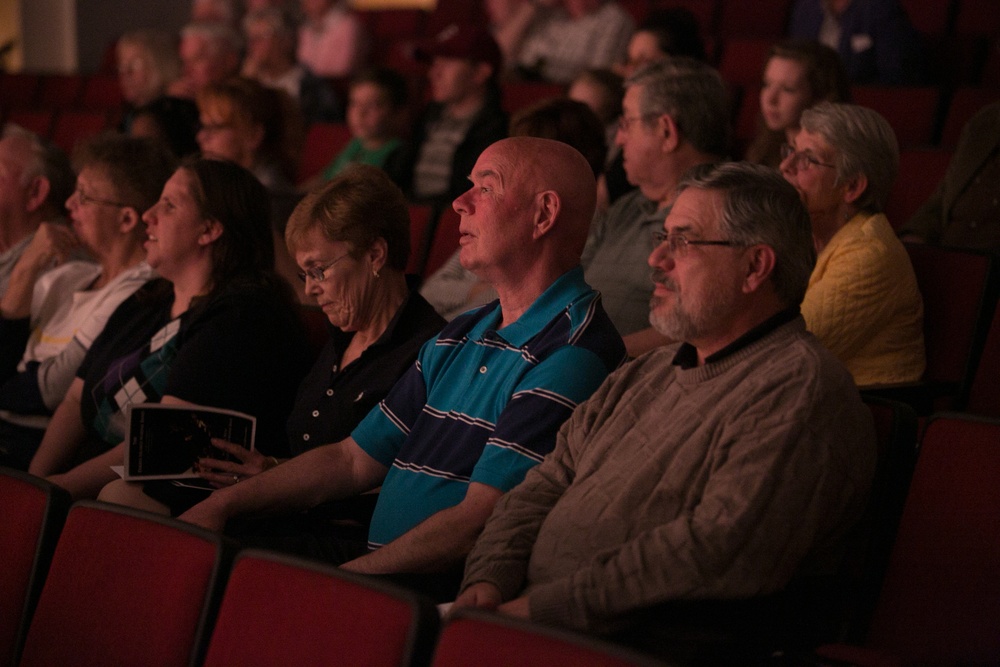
[(801, 156), (678, 244), (318, 272)]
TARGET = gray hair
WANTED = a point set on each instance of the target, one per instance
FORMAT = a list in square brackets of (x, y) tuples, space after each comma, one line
[(221, 35), (46, 160), (865, 144), (761, 207), (693, 94)]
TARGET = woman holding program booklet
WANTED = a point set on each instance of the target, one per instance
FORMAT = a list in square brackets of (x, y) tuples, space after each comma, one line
[(219, 330)]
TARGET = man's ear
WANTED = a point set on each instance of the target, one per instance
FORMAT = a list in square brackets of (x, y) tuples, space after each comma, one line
[(666, 126), (760, 266), (213, 230), (38, 192), (547, 209), (854, 188)]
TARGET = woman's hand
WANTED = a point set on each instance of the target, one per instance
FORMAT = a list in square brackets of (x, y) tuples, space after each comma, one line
[(221, 473)]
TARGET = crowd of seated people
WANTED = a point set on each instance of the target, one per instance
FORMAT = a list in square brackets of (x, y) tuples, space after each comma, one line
[(57, 303), (495, 432)]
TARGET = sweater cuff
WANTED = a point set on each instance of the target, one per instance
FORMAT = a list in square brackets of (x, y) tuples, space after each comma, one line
[(551, 604), (508, 582)]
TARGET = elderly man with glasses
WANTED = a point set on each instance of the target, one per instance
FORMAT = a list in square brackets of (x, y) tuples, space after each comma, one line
[(674, 118), (706, 480)]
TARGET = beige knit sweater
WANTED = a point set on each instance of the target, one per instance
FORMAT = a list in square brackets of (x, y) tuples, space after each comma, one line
[(721, 482)]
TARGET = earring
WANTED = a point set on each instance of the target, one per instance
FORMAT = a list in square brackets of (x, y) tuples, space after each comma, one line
[(375, 273)]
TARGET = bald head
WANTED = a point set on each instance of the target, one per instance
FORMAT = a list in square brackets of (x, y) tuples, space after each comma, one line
[(545, 164)]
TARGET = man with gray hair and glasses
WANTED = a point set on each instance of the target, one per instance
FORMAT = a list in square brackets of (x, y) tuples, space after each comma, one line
[(675, 116), (35, 180), (706, 481)]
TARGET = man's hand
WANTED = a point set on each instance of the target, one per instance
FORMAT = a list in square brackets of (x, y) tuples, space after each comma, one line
[(518, 608), (482, 595)]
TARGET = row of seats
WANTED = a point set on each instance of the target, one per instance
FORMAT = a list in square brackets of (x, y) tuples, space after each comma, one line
[(115, 586), (119, 586)]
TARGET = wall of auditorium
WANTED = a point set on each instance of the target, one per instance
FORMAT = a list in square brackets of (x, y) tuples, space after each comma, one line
[(73, 35)]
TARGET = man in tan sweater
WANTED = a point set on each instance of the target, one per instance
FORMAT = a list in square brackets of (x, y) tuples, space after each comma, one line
[(716, 470)]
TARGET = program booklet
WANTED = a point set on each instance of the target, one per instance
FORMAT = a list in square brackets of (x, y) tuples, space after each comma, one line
[(166, 441)]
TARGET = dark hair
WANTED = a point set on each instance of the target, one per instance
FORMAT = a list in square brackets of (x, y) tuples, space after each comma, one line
[(568, 121), (676, 31), (232, 196), (358, 206), (177, 120), (136, 166), (828, 82), (388, 80)]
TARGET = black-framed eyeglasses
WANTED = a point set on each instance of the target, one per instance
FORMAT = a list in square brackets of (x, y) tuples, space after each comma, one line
[(86, 199), (678, 244), (800, 157), (318, 272)]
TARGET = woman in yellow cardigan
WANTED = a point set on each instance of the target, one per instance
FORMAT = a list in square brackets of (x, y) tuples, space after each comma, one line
[(862, 301)]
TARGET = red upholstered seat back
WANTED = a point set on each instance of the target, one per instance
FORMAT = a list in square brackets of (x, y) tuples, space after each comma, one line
[(125, 588), (958, 289), (984, 396), (940, 601), (279, 610), (33, 512)]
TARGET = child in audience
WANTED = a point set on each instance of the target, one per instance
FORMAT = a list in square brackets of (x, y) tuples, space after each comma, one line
[(375, 107)]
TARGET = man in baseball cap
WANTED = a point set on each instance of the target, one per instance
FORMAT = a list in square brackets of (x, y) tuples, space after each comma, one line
[(463, 117)]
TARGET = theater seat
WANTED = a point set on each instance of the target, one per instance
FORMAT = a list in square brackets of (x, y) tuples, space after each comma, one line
[(125, 588), (965, 103), (281, 610), (920, 171), (959, 290), (940, 600), (323, 142), (911, 110), (34, 511), (984, 395)]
